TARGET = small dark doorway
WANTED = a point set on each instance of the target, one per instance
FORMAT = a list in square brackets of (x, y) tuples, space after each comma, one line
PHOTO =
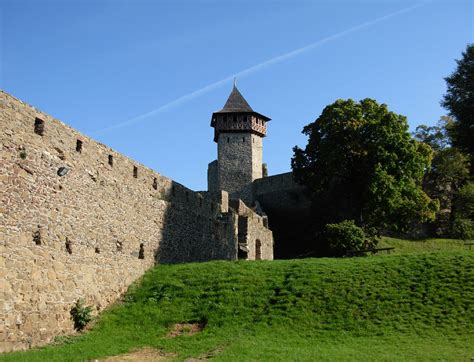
[(258, 250)]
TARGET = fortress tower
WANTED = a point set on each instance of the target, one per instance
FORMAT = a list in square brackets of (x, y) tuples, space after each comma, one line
[(238, 132)]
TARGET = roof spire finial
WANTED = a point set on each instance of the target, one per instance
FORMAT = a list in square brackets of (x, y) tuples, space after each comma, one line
[(235, 82)]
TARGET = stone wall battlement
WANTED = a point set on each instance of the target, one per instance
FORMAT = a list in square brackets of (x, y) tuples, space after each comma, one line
[(275, 183)]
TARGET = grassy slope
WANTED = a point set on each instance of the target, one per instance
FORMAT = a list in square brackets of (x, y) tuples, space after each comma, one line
[(385, 308), (403, 246)]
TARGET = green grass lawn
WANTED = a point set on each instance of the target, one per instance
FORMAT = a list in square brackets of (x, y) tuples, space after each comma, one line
[(397, 307), (403, 246)]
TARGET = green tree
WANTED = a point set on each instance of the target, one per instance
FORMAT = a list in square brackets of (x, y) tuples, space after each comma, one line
[(437, 137), (361, 164), (463, 220), (449, 171), (459, 101)]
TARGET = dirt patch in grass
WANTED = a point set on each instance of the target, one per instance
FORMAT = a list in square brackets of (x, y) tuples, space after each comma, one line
[(145, 355), (180, 329)]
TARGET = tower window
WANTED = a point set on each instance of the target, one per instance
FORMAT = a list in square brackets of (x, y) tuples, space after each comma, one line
[(39, 126), (243, 139), (79, 146), (228, 139), (111, 160), (135, 171)]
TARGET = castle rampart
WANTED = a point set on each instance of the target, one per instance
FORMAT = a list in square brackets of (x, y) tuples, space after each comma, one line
[(81, 221)]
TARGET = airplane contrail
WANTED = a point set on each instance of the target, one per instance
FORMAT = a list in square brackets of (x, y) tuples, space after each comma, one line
[(257, 67)]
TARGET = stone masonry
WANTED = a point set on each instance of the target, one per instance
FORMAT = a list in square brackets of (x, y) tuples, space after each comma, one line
[(238, 132), (81, 221), (239, 163)]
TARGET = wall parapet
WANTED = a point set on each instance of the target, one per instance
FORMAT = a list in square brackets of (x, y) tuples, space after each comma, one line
[(274, 183)]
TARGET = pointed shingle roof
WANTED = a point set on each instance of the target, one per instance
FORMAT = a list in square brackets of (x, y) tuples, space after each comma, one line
[(236, 103)]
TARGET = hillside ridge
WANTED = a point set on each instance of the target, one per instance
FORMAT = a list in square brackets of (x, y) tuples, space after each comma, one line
[(291, 308)]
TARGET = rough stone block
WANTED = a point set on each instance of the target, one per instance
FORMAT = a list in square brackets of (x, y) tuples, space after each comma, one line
[(224, 201)]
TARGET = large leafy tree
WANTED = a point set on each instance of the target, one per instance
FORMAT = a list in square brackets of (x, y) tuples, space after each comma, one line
[(361, 164), (459, 101)]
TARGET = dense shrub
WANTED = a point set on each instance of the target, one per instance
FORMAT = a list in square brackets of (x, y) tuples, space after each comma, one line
[(463, 229), (345, 236)]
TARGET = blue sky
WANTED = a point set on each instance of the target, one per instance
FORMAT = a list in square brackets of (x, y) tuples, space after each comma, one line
[(98, 64)]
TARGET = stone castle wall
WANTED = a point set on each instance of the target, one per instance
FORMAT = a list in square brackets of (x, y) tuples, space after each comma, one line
[(280, 192), (212, 177), (275, 183), (288, 207), (239, 163), (81, 221), (255, 239)]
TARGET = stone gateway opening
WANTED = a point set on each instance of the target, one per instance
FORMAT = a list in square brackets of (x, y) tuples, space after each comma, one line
[(242, 253)]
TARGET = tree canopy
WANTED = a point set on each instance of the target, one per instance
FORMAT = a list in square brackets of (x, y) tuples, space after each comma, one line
[(449, 166), (449, 172), (459, 101), (437, 137), (362, 164)]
